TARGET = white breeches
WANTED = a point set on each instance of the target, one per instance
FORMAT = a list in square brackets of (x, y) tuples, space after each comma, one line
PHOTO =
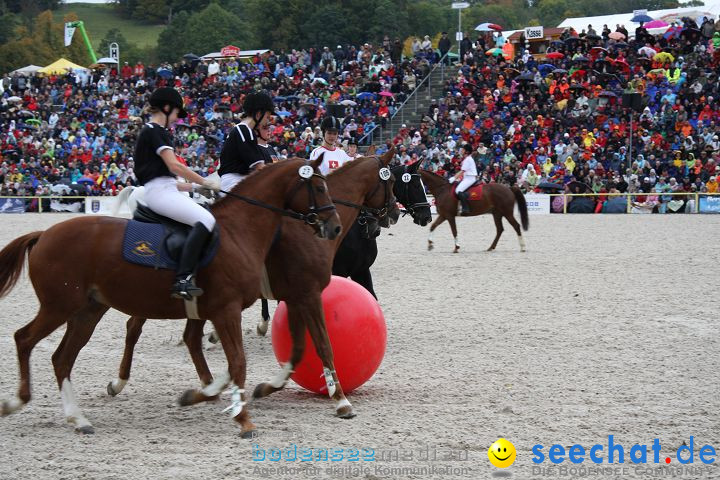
[(465, 183), (163, 197), (229, 180)]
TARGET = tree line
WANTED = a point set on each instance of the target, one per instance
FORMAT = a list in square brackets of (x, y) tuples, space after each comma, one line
[(27, 34)]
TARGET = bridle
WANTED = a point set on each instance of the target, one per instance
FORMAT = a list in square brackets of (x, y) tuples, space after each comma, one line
[(369, 213), (413, 206), (310, 218)]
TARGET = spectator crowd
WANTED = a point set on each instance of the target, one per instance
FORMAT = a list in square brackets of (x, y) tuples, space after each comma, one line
[(75, 132)]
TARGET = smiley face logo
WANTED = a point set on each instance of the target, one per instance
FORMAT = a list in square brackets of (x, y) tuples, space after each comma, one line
[(502, 453)]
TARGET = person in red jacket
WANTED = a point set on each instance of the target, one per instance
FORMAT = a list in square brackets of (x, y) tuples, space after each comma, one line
[(139, 70), (126, 71)]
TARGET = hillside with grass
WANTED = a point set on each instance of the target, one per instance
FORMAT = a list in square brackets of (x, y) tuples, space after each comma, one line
[(101, 18)]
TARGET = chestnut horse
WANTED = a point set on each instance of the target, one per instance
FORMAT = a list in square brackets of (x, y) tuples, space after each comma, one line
[(78, 273), (295, 258), (496, 198)]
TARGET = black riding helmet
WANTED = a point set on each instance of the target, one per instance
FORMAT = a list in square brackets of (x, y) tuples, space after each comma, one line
[(168, 96), (255, 105), (330, 123)]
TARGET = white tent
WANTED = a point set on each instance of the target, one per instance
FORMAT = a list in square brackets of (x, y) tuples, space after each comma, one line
[(710, 10), (29, 70)]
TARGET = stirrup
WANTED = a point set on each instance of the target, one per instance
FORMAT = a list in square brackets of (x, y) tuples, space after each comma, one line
[(186, 289)]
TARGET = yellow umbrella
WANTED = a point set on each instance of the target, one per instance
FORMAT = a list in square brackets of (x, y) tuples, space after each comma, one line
[(663, 57)]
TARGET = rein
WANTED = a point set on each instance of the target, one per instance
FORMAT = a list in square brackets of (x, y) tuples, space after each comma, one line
[(378, 213), (410, 209), (310, 218)]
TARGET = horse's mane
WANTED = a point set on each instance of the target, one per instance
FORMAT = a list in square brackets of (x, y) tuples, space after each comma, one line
[(348, 166), (250, 181), (434, 180)]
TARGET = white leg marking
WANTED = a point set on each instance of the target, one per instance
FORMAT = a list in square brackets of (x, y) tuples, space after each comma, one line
[(342, 403), (70, 406), (118, 384), (281, 378), (237, 402), (329, 381), (457, 243), (11, 406), (430, 236), (217, 386), (262, 326), (522, 243)]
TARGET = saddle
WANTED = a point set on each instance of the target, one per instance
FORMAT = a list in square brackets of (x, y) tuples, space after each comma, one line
[(153, 240), (474, 191)]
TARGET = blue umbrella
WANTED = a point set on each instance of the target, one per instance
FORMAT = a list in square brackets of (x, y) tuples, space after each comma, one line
[(546, 68), (641, 19), (283, 113), (86, 180), (164, 73), (365, 95), (279, 99)]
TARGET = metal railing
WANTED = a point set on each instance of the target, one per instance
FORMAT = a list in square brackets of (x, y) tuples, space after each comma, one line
[(629, 196), (401, 108)]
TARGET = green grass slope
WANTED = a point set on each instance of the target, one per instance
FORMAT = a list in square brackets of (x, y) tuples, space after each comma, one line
[(100, 18)]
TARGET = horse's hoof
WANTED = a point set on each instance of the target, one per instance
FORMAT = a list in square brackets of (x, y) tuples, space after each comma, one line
[(110, 390), (430, 246), (86, 430), (213, 337), (261, 329), (259, 391), (187, 398), (457, 250), (249, 435), (346, 413), (4, 409)]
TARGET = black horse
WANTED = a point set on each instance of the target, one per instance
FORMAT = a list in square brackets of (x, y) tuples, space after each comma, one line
[(358, 249)]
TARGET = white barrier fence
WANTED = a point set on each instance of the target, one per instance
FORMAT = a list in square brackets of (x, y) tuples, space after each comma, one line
[(538, 204)]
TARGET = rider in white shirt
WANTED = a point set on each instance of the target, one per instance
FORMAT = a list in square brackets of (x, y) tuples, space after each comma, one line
[(334, 156), (468, 170)]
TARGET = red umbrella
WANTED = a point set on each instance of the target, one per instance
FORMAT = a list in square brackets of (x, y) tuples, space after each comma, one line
[(386, 94), (555, 55)]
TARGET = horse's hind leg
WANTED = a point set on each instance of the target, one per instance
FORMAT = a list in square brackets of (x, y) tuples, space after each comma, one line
[(262, 327), (511, 220), (44, 323), (440, 219), (453, 229), (498, 230), (79, 330), (134, 330)]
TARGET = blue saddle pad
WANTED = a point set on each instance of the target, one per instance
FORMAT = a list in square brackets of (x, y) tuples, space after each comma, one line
[(154, 245)]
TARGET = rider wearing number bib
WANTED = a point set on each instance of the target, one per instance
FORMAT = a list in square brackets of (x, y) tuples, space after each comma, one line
[(334, 157), (241, 153), (156, 167)]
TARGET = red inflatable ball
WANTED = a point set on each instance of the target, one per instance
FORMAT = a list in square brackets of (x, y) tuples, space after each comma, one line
[(357, 331)]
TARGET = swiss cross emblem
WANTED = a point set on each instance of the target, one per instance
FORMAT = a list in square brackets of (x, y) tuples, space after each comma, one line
[(333, 164)]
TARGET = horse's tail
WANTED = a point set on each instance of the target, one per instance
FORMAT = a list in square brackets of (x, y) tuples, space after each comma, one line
[(121, 199), (522, 206), (12, 259)]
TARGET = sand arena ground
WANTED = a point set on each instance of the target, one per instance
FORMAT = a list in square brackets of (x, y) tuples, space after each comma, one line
[(607, 325)]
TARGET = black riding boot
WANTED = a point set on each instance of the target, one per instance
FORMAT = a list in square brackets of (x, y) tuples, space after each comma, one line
[(463, 197), (184, 286)]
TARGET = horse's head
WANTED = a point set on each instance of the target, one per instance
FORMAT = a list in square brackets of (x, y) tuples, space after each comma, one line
[(410, 191), (309, 196), (381, 201)]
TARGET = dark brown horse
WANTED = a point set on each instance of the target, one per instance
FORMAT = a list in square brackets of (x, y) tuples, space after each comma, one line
[(78, 273), (496, 198), (295, 255)]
